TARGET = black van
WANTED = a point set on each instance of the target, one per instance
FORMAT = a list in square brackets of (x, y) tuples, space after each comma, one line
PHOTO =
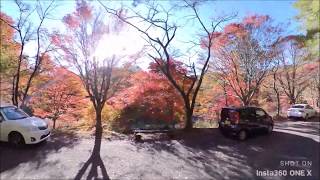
[(243, 121)]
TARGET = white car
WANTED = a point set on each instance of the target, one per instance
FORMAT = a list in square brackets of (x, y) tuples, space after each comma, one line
[(302, 111), (18, 127)]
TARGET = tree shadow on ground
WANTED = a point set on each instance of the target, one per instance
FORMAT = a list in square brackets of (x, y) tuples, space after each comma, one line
[(95, 161), (226, 158), (311, 119), (311, 128), (10, 156)]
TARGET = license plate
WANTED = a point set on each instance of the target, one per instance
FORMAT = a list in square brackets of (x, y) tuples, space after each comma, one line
[(227, 122)]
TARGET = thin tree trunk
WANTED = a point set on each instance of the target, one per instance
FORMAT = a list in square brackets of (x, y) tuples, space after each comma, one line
[(25, 94), (278, 103), (13, 90), (54, 123), (36, 68), (16, 80), (277, 93)]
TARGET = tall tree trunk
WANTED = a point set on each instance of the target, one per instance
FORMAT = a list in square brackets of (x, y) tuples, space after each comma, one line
[(16, 83), (16, 90), (277, 93), (98, 134), (16, 80), (317, 98), (13, 90), (278, 103), (188, 119), (98, 126), (54, 123)]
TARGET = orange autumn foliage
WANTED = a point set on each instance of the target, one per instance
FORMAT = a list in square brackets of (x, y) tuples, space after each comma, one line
[(61, 97)]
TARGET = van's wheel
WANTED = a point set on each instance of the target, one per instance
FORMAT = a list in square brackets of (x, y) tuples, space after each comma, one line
[(270, 128), (223, 132), (242, 135), (16, 139)]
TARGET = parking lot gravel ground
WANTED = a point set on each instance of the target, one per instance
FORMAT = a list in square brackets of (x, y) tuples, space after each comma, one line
[(199, 154)]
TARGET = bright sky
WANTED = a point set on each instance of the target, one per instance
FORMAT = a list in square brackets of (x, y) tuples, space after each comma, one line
[(129, 41)]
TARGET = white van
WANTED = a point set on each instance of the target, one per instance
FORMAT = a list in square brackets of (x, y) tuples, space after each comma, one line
[(304, 111), (18, 127)]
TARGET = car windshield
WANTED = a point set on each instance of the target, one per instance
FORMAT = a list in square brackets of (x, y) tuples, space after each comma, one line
[(13, 113), (298, 106)]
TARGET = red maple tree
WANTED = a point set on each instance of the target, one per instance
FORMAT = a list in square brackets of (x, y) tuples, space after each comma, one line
[(61, 97), (149, 97)]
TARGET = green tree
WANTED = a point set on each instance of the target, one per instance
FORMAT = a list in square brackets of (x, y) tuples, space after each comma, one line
[(309, 15)]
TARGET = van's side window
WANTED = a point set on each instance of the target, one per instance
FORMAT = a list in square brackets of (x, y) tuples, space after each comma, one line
[(260, 113), (248, 114)]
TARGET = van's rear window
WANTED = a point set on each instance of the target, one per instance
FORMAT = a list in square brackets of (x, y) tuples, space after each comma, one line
[(227, 113)]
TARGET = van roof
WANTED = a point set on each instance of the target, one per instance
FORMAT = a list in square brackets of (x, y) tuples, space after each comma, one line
[(239, 108)]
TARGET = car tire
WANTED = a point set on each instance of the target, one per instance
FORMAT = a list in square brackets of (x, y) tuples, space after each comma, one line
[(269, 129), (242, 135), (16, 139), (224, 133)]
